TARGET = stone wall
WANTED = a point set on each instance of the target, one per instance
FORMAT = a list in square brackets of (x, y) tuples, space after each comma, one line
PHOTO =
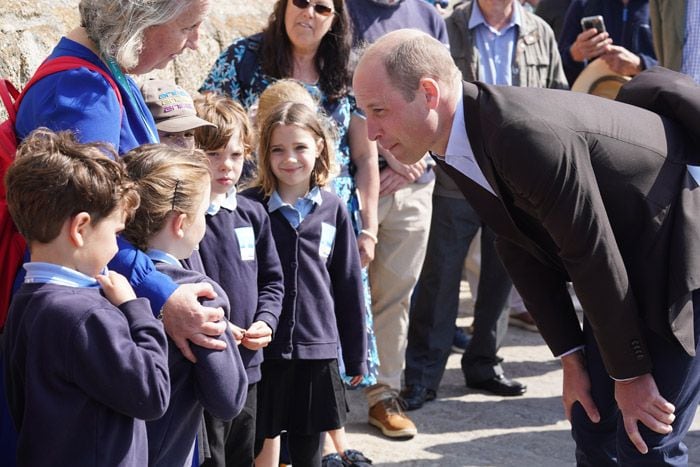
[(29, 29)]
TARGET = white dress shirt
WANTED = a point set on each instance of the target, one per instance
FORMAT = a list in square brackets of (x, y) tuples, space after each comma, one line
[(459, 153)]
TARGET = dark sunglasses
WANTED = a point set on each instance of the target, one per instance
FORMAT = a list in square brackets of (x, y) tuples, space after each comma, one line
[(323, 10)]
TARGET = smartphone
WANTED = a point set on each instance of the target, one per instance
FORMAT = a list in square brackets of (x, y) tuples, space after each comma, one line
[(593, 22)]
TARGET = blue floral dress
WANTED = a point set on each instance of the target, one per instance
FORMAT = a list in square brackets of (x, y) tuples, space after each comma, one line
[(237, 73)]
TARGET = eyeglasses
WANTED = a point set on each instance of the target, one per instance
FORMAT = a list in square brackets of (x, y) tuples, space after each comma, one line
[(321, 9)]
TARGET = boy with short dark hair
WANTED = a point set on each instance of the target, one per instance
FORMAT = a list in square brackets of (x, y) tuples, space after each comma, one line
[(85, 360)]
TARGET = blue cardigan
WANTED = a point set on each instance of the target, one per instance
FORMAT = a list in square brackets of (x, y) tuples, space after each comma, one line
[(250, 274), (217, 382), (323, 299)]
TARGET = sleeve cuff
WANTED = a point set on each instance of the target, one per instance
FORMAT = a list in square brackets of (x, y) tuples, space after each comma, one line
[(569, 352)]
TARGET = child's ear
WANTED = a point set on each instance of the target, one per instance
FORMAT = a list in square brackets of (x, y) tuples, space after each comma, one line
[(76, 228), (178, 224), (319, 147)]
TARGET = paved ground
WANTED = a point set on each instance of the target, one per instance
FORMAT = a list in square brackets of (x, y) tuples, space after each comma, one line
[(466, 428)]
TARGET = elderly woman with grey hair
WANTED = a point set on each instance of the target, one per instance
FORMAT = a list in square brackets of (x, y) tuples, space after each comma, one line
[(100, 102)]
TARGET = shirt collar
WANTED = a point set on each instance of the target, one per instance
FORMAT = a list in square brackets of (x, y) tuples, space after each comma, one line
[(163, 257), (276, 201), (49, 273), (458, 142), (477, 18), (230, 203)]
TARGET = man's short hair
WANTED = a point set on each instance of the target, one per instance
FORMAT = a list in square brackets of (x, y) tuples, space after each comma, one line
[(409, 55), (54, 177)]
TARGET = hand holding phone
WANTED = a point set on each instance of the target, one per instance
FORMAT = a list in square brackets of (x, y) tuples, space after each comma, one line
[(592, 42), (593, 22)]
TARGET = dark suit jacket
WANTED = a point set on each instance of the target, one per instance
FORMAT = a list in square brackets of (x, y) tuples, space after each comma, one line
[(596, 192)]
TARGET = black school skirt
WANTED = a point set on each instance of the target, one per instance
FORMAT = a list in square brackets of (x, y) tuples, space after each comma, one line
[(300, 396)]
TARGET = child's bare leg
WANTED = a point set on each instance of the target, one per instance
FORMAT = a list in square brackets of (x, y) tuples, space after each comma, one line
[(339, 441), (270, 454)]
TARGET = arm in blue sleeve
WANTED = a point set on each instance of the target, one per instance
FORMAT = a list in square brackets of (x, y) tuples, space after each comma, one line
[(147, 282), (221, 382), (80, 100), (569, 32), (348, 295), (647, 61), (270, 276)]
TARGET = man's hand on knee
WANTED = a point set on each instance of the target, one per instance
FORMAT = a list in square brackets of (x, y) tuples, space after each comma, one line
[(639, 401), (577, 386)]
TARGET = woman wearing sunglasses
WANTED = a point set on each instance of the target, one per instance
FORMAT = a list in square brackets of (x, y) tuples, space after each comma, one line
[(310, 41)]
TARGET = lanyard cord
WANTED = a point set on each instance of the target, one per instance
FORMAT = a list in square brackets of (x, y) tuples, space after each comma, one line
[(121, 79)]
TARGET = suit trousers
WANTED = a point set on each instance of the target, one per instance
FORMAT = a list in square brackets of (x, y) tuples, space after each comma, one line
[(677, 376), (404, 221), (436, 299)]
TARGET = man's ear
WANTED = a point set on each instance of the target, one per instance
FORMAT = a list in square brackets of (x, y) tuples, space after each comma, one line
[(431, 90), (77, 226), (177, 224)]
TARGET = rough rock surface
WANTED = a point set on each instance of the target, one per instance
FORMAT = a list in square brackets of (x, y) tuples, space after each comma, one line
[(30, 28)]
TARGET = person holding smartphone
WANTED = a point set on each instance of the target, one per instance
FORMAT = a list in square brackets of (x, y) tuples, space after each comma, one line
[(624, 41)]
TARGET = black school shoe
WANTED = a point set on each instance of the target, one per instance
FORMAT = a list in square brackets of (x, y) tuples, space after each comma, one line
[(350, 458), (353, 458), (332, 460)]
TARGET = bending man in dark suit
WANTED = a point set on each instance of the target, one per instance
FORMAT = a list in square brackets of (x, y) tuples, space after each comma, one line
[(579, 189)]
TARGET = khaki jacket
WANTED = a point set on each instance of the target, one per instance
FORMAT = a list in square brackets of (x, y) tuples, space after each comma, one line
[(536, 62), (668, 28)]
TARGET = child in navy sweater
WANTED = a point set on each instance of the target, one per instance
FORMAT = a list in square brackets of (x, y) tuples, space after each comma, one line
[(301, 391), (238, 252), (174, 187), (85, 360)]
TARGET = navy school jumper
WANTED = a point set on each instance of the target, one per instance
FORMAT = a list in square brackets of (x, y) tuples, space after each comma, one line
[(250, 274), (323, 298), (217, 383), (81, 375)]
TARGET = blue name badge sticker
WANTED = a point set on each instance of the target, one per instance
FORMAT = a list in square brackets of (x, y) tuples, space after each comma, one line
[(246, 242), (327, 239)]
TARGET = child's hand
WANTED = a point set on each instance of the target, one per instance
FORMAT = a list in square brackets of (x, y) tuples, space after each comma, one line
[(257, 336), (356, 380), (237, 333), (116, 288)]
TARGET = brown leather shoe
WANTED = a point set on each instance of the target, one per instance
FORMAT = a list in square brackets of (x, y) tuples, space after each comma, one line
[(388, 416)]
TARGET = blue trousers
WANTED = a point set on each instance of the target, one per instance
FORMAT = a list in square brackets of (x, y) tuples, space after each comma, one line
[(677, 376), (435, 301)]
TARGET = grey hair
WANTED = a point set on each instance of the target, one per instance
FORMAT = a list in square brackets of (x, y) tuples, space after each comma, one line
[(117, 26), (413, 55)]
